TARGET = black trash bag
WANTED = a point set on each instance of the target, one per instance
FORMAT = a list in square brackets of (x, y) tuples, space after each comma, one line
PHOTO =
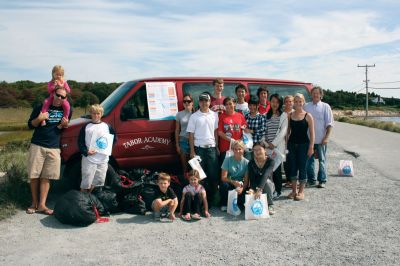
[(134, 204), (138, 173), (120, 184), (148, 194), (108, 199), (77, 208)]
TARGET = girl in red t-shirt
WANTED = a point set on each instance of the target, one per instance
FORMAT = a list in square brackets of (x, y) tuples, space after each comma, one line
[(230, 126)]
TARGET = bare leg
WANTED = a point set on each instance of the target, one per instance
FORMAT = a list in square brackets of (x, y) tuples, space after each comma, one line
[(183, 158), (34, 183), (44, 191)]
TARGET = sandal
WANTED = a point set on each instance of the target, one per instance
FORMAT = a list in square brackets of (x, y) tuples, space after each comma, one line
[(292, 195), (186, 217), (46, 211), (30, 210), (196, 216)]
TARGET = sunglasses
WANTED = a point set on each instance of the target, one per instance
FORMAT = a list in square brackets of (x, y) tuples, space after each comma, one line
[(187, 101), (61, 96)]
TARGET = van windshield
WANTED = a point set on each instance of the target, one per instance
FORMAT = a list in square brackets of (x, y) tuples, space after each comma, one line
[(114, 98)]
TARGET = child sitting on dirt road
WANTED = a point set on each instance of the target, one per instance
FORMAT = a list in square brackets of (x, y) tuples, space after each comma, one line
[(193, 197), (165, 202)]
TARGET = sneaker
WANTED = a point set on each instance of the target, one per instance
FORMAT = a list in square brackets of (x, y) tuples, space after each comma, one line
[(311, 184), (223, 208), (271, 210), (157, 216), (321, 185), (276, 195)]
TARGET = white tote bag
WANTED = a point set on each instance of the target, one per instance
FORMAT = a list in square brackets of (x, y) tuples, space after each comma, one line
[(248, 140), (256, 208), (232, 206), (346, 168)]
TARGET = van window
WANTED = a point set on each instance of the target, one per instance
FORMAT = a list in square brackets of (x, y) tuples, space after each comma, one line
[(136, 107), (282, 90), (195, 89)]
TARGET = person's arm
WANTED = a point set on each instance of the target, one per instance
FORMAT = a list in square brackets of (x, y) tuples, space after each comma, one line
[(310, 122), (81, 141), (177, 131), (112, 132), (267, 174), (328, 124), (216, 140), (283, 127), (246, 182), (182, 203), (191, 144), (205, 203), (66, 86), (37, 117)]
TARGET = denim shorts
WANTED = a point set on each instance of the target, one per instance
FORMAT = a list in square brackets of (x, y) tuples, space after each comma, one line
[(184, 145)]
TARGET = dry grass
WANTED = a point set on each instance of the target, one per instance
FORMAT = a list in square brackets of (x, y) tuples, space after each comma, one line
[(15, 119), (388, 126)]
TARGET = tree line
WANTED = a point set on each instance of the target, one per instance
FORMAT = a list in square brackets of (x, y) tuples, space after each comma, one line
[(27, 93)]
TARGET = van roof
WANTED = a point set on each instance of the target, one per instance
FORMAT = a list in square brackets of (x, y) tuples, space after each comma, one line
[(234, 79)]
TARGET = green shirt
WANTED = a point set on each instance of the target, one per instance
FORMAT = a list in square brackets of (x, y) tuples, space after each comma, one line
[(236, 169)]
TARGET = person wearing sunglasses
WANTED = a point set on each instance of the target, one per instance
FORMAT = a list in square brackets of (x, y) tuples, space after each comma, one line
[(181, 136), (44, 159)]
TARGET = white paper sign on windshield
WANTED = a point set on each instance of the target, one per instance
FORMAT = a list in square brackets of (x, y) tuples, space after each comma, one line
[(162, 100)]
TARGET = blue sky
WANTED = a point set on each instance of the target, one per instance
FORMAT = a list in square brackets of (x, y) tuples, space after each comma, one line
[(98, 40)]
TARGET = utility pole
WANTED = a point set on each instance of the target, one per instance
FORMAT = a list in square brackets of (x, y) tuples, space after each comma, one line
[(366, 87)]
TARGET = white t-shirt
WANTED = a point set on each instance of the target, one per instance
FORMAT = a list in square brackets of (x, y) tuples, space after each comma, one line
[(243, 108), (93, 130), (203, 126)]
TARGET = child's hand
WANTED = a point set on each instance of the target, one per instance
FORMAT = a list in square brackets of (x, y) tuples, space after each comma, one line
[(91, 152), (43, 116)]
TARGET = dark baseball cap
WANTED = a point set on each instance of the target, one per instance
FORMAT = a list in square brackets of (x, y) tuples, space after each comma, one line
[(204, 96)]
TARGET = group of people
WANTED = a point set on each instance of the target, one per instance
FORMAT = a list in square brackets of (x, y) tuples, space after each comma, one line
[(286, 132)]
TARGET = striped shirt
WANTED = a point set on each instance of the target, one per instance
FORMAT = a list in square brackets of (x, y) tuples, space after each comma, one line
[(257, 124), (272, 128)]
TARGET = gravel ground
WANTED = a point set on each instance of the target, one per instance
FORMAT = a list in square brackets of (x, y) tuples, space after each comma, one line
[(354, 220)]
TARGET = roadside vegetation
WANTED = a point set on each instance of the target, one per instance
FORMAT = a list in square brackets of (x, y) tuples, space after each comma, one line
[(388, 126), (14, 187)]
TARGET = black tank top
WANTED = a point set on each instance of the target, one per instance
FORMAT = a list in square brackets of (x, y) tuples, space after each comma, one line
[(298, 131)]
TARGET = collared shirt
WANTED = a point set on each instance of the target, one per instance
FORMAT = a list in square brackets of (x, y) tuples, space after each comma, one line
[(257, 124), (203, 126), (323, 117)]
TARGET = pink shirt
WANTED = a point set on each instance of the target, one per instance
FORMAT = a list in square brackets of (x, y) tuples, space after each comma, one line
[(51, 86)]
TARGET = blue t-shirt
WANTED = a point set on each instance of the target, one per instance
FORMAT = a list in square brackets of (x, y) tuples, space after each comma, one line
[(236, 169), (47, 136)]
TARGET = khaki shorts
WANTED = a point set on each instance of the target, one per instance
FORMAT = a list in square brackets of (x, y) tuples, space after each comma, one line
[(43, 162)]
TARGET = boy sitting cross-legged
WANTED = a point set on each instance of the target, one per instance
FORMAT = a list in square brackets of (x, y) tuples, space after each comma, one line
[(165, 202)]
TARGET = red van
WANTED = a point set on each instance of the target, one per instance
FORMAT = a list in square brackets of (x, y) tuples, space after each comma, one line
[(142, 142)]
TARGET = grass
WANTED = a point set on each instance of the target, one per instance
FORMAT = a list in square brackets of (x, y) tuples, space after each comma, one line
[(388, 126), (15, 119), (14, 187)]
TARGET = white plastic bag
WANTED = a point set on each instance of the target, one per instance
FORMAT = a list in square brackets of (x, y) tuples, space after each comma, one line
[(248, 140), (232, 206), (195, 164), (256, 208), (277, 156), (346, 168)]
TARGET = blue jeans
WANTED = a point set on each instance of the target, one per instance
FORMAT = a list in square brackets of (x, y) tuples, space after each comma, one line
[(297, 159), (209, 163), (320, 149)]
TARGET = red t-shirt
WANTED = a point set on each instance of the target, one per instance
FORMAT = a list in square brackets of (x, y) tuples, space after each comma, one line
[(231, 125), (217, 105), (263, 110)]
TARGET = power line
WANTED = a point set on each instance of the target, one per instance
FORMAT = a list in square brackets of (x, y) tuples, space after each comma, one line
[(398, 88), (385, 82)]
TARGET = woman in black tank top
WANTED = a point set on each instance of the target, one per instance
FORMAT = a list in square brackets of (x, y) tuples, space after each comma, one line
[(300, 146)]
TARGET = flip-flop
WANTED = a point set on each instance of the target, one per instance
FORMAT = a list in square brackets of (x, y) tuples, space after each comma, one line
[(186, 217), (30, 210), (45, 212), (196, 216)]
